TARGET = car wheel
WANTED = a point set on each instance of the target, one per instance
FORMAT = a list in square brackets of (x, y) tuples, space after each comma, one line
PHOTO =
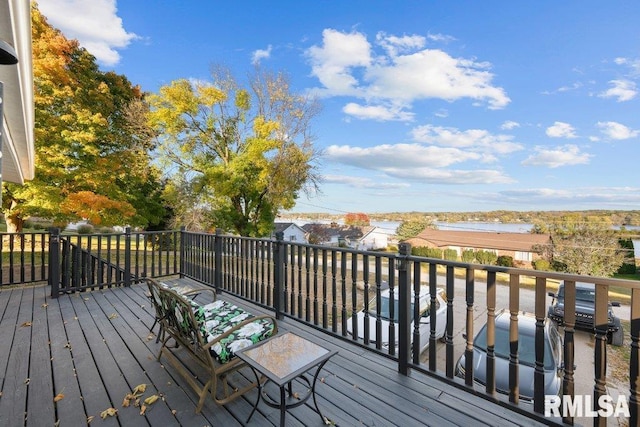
[(616, 338)]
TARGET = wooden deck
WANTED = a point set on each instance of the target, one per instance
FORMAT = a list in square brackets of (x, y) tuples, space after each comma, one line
[(93, 348)]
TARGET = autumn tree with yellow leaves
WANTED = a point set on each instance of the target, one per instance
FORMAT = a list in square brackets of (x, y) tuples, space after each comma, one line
[(91, 142), (246, 153)]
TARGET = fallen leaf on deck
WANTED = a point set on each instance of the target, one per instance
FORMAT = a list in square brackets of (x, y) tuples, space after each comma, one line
[(143, 410), (173, 411), (90, 418), (113, 315), (151, 399), (141, 388), (58, 397), (108, 413), (127, 400), (26, 324)]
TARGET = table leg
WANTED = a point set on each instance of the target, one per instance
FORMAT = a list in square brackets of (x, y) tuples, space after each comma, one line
[(259, 394), (283, 405), (313, 390)]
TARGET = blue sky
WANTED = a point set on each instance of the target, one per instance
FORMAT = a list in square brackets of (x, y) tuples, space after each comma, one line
[(427, 105)]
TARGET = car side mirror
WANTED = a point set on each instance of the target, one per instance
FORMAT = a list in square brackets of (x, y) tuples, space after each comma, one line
[(615, 304)]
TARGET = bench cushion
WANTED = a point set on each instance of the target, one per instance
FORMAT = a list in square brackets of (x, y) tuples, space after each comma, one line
[(218, 317)]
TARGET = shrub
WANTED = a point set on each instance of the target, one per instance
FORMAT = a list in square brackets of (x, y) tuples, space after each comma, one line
[(627, 268), (486, 257), (468, 255), (505, 261), (85, 229), (541, 264), (427, 252), (450, 254)]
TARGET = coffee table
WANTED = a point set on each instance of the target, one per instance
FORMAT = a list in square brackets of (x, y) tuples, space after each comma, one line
[(283, 359)]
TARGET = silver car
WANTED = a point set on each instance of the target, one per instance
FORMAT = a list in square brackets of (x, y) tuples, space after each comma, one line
[(526, 356), (385, 304)]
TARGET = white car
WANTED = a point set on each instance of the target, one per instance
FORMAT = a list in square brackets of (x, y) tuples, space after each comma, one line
[(425, 317)]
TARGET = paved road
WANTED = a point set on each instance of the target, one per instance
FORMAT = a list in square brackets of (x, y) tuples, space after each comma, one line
[(584, 341)]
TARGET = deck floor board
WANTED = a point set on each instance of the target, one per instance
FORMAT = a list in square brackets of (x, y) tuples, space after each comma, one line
[(95, 347)]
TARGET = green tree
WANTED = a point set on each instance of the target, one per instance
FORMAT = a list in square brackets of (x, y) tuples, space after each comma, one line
[(411, 228), (586, 245), (247, 153), (91, 158)]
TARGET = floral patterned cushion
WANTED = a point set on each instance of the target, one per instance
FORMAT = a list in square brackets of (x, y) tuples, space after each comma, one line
[(218, 317)]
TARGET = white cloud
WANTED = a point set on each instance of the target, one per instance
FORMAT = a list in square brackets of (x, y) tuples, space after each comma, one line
[(95, 24), (442, 113), (623, 90), (401, 72), (260, 54), (617, 131), (387, 156), (416, 162), (394, 45), (333, 62), (377, 112), (363, 182), (633, 64), (560, 156), (476, 140), (509, 125), (576, 198), (561, 130), (440, 38)]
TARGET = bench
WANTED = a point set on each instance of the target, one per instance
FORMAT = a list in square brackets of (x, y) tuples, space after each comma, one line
[(211, 334)]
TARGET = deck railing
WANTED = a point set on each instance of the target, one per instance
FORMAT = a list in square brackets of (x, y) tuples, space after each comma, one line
[(84, 262), (327, 287), (24, 257)]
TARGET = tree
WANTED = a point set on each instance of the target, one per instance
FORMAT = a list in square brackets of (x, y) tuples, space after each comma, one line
[(411, 228), (586, 246), (359, 219), (247, 153), (91, 156)]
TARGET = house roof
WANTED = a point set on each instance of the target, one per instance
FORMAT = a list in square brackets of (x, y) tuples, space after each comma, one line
[(479, 240), (282, 226), (18, 152), (347, 232)]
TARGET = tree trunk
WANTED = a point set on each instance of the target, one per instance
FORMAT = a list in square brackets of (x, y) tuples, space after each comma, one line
[(15, 223)]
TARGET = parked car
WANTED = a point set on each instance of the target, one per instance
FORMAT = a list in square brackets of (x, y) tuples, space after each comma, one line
[(585, 309), (425, 317), (553, 362)]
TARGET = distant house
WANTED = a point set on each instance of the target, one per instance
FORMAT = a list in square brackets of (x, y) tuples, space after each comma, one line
[(292, 232), (351, 236), (519, 246)]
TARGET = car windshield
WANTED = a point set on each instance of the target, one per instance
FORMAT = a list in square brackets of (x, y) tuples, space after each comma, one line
[(385, 308), (582, 294), (526, 346)]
